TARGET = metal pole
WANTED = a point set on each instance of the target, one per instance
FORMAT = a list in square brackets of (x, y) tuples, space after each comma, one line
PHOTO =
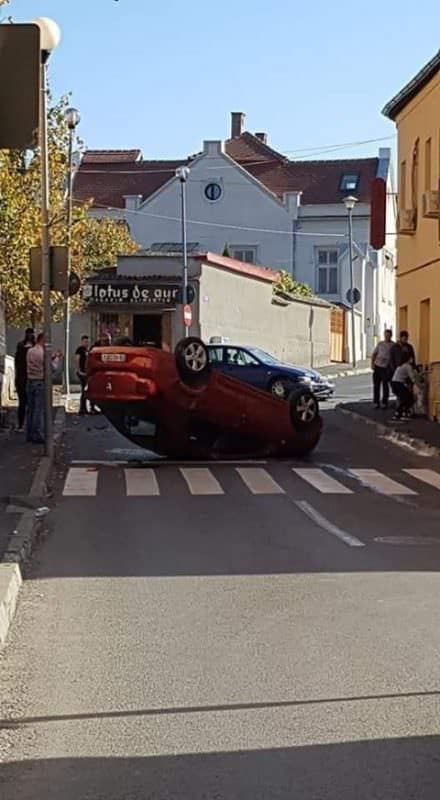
[(350, 249), (184, 251), (69, 268), (45, 255)]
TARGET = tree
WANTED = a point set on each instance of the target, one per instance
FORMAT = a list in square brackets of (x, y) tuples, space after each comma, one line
[(286, 285), (226, 252), (95, 242)]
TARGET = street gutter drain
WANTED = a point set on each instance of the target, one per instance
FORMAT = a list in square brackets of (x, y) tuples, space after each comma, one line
[(408, 540)]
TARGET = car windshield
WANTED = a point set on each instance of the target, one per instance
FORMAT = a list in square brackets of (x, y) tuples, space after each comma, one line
[(266, 358)]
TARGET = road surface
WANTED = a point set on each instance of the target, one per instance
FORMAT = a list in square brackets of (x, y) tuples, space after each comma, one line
[(230, 631)]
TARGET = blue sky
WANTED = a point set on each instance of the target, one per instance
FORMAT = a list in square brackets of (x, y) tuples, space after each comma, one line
[(163, 76)]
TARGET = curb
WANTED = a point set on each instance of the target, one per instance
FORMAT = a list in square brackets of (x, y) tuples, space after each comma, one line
[(395, 437), (26, 534), (347, 373)]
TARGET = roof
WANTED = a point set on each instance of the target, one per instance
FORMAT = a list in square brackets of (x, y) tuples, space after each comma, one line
[(108, 181), (107, 184), (110, 156), (397, 103)]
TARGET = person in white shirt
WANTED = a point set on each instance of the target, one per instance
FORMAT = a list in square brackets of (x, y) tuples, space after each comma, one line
[(402, 384), (380, 364)]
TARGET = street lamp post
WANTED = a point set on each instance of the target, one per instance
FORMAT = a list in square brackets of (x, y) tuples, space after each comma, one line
[(73, 119), (49, 39), (350, 203), (182, 173)]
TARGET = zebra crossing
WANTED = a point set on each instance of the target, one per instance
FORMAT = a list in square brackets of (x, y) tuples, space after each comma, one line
[(86, 481)]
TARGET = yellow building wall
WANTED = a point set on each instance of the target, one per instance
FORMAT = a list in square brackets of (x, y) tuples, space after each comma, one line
[(418, 271)]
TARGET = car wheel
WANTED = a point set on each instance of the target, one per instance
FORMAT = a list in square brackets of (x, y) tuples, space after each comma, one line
[(192, 361), (280, 388), (304, 408)]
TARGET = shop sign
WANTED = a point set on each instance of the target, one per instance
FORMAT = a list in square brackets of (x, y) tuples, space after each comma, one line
[(131, 294)]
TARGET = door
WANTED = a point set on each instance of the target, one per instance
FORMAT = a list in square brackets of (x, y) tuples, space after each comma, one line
[(242, 365), (147, 330)]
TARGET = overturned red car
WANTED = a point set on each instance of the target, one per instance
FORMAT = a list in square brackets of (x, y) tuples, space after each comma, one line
[(176, 406)]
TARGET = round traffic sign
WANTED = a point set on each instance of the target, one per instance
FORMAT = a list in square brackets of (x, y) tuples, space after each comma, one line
[(187, 315), (74, 284), (356, 296)]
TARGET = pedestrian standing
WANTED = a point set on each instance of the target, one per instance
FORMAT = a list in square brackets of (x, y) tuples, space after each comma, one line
[(380, 364), (21, 373), (35, 389), (402, 384), (401, 348), (81, 354)]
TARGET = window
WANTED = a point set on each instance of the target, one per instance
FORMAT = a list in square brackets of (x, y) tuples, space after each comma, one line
[(328, 271), (239, 358), (349, 183), (427, 165), (245, 253), (425, 332), (403, 318), (213, 192), (216, 355), (402, 189)]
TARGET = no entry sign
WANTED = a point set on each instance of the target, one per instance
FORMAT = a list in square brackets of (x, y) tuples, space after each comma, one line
[(187, 316)]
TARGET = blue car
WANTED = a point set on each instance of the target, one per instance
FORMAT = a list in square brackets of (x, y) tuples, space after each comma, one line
[(254, 366)]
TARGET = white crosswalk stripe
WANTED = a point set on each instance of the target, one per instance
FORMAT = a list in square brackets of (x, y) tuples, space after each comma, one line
[(88, 481), (141, 482), (428, 476), (81, 482), (321, 481), (381, 483), (259, 481), (201, 481)]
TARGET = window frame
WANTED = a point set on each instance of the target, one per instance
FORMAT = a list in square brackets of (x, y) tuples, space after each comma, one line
[(328, 267), (351, 178), (242, 248)]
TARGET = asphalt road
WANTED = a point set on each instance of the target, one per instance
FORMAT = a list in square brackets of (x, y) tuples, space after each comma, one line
[(254, 642)]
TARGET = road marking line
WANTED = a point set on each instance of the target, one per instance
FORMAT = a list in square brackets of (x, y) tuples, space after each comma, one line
[(428, 476), (81, 482), (141, 483), (201, 481), (380, 483), (321, 481), (328, 526), (259, 481)]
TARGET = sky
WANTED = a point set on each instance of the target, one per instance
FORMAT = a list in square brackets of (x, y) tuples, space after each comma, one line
[(164, 76)]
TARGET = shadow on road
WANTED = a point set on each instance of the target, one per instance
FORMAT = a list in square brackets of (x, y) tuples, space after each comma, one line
[(395, 769)]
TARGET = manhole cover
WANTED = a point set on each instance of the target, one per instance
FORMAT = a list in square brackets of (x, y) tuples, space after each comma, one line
[(410, 540)]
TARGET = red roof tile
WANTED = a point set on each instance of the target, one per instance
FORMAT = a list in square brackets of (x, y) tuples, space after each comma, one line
[(110, 156), (107, 184), (107, 181)]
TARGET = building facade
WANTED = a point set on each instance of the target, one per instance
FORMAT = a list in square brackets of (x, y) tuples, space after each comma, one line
[(250, 202), (141, 299), (416, 112)]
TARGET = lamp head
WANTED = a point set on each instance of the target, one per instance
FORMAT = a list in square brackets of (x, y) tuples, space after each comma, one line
[(50, 34)]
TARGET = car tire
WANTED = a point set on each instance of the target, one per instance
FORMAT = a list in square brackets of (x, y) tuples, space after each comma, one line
[(192, 361), (304, 409), (280, 388)]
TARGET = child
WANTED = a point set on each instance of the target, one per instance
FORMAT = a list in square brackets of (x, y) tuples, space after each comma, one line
[(402, 385)]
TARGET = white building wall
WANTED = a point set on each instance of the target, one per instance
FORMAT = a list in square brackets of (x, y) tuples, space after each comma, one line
[(243, 217), (241, 310)]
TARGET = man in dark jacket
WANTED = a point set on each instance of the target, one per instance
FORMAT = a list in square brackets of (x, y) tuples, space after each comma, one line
[(21, 373), (399, 349)]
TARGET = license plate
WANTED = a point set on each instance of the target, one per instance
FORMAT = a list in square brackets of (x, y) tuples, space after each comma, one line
[(112, 357)]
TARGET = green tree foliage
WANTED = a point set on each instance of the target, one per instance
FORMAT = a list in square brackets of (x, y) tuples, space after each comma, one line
[(95, 243), (286, 285)]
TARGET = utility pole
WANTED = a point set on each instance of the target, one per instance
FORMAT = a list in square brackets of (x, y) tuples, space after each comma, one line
[(350, 203), (73, 119)]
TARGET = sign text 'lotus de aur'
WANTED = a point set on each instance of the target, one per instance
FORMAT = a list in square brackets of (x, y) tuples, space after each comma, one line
[(119, 293)]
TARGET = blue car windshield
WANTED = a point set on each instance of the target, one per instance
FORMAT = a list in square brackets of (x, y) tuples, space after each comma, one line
[(262, 356)]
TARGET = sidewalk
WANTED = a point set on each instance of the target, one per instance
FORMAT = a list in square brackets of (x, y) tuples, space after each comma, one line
[(333, 371), (19, 462), (420, 434)]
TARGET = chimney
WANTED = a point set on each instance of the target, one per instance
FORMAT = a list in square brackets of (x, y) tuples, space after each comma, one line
[(237, 124), (262, 137)]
